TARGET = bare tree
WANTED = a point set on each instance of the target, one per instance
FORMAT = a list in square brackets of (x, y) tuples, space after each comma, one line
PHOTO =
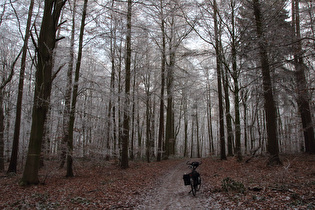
[(66, 113), (125, 134), (270, 107), (302, 90), (75, 95), (46, 44), (15, 146), (163, 65), (4, 82), (219, 79)]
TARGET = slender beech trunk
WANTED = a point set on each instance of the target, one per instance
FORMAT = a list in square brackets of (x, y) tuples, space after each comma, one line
[(16, 136), (197, 134), (125, 132), (119, 110), (66, 112), (169, 134), (153, 126), (149, 115), (192, 138), (4, 82), (111, 109), (235, 76), (148, 125), (1, 132), (75, 95), (133, 116), (244, 98), (303, 93), (228, 116), (139, 131), (219, 80), (209, 117), (185, 107), (270, 107), (163, 63)]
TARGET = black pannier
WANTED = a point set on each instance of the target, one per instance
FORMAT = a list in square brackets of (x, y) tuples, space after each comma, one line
[(186, 178)]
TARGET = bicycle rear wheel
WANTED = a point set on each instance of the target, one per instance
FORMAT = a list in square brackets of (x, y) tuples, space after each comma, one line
[(193, 186)]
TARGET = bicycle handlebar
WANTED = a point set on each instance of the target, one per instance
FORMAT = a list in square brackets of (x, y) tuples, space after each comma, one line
[(194, 164)]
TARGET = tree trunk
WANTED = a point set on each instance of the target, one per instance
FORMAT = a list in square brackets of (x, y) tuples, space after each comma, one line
[(192, 138), (16, 136), (185, 107), (219, 80), (235, 76), (66, 113), (43, 81), (148, 122), (139, 131), (75, 95), (46, 44), (244, 97), (133, 115), (4, 82), (303, 94), (209, 117), (163, 62), (153, 126), (1, 132), (169, 134), (117, 143), (111, 128), (270, 107), (125, 132), (228, 117), (197, 134)]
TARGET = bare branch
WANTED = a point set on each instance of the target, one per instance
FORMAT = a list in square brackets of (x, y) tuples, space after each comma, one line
[(58, 70), (6, 81)]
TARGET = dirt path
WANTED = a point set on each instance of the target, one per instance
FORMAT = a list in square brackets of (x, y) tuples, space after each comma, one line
[(171, 193)]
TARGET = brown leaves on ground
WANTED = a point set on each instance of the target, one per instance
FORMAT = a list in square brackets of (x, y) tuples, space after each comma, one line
[(255, 185), (97, 184), (103, 185)]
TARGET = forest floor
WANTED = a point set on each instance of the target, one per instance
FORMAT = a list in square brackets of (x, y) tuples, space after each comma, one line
[(159, 185)]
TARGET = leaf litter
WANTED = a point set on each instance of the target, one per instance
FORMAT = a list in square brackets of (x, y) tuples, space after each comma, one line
[(159, 185)]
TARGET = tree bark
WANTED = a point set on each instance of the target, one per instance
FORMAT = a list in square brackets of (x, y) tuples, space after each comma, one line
[(197, 133), (16, 136), (148, 125), (75, 95), (133, 115), (4, 82), (169, 133), (1, 132), (219, 80), (185, 108), (302, 90), (66, 112), (163, 63), (235, 76), (43, 81), (228, 116), (125, 132), (111, 108), (270, 107)]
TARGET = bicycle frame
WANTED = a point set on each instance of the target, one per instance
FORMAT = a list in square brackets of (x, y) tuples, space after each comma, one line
[(195, 179)]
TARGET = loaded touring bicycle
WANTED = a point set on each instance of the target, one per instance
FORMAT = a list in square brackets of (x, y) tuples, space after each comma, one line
[(193, 178)]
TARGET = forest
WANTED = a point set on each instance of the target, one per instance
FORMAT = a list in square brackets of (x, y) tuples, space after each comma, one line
[(129, 82)]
